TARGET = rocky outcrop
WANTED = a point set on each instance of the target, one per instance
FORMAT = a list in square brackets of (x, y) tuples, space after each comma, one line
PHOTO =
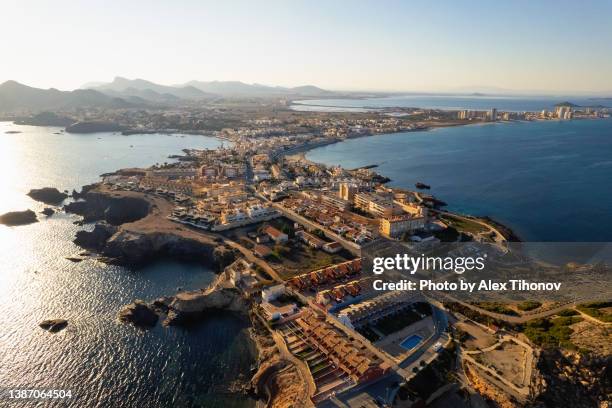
[(130, 248), (184, 308), (187, 307), (574, 379), (16, 218), (84, 190), (48, 195), (139, 314), (48, 211), (95, 239), (53, 325), (121, 244), (114, 210), (94, 127)]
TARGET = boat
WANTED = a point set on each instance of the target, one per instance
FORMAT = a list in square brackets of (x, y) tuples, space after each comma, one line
[(422, 186)]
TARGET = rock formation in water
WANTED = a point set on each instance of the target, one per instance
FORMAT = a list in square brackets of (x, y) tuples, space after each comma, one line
[(95, 239), (139, 314), (53, 325), (187, 307), (184, 308), (48, 195), (16, 218), (48, 211)]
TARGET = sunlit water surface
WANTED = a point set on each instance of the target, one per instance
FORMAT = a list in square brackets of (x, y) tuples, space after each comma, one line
[(103, 362)]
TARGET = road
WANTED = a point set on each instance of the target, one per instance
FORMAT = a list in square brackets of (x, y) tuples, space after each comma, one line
[(352, 247), (513, 319), (299, 364)]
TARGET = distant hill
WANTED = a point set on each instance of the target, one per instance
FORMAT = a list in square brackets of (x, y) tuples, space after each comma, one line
[(568, 104), (241, 89), (16, 97), (125, 93), (150, 90), (310, 90), (143, 94)]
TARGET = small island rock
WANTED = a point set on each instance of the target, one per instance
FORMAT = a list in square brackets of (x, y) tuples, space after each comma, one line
[(53, 325), (48, 211), (16, 218), (47, 195)]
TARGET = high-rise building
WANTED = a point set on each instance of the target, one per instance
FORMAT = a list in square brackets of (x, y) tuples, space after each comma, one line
[(492, 116), (347, 191)]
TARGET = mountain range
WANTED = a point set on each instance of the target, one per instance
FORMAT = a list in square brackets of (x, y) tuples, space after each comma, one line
[(15, 97), (197, 90), (125, 93)]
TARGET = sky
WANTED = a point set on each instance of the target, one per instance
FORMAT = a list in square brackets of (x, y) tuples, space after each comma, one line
[(553, 47)]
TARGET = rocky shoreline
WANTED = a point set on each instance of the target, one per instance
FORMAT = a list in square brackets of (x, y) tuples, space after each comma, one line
[(186, 308), (129, 231), (277, 381)]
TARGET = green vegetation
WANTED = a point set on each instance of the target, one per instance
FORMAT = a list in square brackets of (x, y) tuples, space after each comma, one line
[(448, 235), (430, 378), (528, 305), (285, 226), (594, 309), (463, 225), (496, 308), (567, 312), (478, 317), (300, 258), (550, 333)]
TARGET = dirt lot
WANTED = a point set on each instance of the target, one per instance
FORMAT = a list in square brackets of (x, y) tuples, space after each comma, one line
[(299, 258), (478, 337), (508, 361)]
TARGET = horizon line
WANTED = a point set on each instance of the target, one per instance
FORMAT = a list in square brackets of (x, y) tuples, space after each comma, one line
[(459, 90)]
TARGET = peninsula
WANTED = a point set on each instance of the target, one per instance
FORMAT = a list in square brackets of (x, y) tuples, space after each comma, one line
[(289, 238)]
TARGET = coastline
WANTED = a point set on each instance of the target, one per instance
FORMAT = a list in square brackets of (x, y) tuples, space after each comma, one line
[(504, 230), (192, 307)]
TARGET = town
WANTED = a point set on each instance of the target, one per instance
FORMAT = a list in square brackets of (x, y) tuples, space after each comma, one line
[(302, 229), (302, 235)]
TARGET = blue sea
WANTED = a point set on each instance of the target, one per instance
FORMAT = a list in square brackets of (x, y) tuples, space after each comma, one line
[(549, 181), (102, 361), (447, 102)]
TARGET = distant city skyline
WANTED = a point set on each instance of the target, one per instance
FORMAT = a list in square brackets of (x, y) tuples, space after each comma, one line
[(547, 47)]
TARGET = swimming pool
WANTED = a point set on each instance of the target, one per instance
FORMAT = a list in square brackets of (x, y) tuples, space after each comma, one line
[(411, 342)]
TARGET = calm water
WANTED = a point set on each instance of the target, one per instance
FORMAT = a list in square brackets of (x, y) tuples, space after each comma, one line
[(446, 102), (549, 181), (103, 362)]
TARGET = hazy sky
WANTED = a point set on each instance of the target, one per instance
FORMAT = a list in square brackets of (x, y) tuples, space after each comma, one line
[(553, 46)]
